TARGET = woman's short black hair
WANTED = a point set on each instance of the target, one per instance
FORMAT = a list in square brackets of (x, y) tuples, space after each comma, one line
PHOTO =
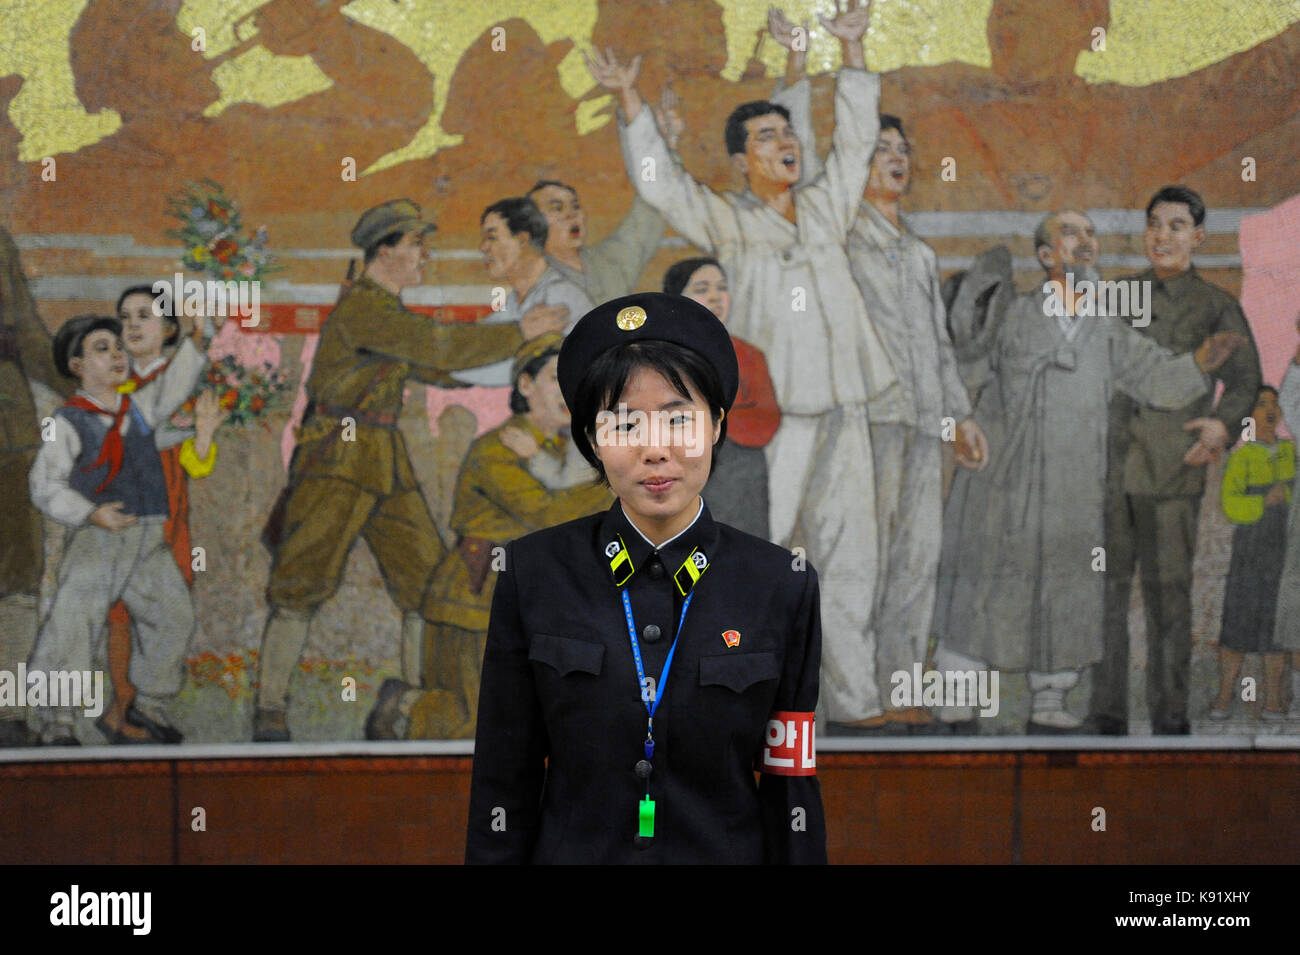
[(602, 386), (534, 366), (169, 315), (679, 274), (1259, 392), (521, 215), (70, 339)]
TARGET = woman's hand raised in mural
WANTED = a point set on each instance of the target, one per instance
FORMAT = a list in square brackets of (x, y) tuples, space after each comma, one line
[(617, 78)]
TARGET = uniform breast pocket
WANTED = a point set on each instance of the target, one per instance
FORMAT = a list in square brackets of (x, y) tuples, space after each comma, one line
[(571, 691), (739, 672), (567, 655), (735, 699)]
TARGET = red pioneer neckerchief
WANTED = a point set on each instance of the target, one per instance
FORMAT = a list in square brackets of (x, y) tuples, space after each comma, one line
[(112, 449), (141, 382)]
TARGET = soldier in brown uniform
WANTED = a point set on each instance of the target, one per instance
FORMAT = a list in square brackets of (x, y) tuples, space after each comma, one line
[(25, 355), (500, 496), (350, 475)]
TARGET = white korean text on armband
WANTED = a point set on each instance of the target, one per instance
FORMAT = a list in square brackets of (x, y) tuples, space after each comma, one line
[(790, 748)]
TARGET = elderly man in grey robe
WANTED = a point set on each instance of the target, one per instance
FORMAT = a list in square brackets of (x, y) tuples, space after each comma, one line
[(794, 297), (1022, 568)]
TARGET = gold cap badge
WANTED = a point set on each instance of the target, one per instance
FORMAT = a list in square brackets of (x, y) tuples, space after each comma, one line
[(631, 317)]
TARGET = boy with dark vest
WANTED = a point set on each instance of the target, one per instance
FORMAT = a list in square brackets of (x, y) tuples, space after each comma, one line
[(101, 475)]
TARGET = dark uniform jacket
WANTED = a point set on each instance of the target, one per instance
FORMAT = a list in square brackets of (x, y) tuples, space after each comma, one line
[(561, 722)]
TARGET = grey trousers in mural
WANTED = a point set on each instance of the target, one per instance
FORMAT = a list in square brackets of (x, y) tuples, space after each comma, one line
[(909, 514), (737, 489), (822, 497), (100, 567)]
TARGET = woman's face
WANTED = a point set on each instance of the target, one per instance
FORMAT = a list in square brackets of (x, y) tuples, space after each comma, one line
[(708, 286), (657, 451), (546, 405), (143, 332), (1267, 414)]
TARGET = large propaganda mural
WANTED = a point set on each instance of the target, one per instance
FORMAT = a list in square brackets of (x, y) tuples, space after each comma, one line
[(282, 283)]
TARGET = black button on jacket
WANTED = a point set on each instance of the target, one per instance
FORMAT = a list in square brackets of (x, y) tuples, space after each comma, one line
[(561, 722)]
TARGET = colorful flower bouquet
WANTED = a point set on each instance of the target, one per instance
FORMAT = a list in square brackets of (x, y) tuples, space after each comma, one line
[(213, 235), (244, 372), (247, 392)]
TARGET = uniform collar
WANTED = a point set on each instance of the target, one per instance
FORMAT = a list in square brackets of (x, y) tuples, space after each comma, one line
[(552, 443), (875, 219), (365, 283), (1175, 287), (82, 393), (550, 275), (626, 552), (144, 371)]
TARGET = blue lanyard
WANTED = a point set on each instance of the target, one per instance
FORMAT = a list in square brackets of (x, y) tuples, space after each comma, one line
[(652, 705)]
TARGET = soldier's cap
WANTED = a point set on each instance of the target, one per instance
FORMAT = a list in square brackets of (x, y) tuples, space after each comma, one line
[(648, 316), (534, 348), (397, 215)]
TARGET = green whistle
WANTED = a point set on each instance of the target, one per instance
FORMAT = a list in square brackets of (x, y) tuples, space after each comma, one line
[(647, 815)]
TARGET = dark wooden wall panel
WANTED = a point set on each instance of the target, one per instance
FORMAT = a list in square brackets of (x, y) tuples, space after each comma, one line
[(891, 808)]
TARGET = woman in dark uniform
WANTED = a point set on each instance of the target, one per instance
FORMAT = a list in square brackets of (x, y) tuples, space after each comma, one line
[(643, 663)]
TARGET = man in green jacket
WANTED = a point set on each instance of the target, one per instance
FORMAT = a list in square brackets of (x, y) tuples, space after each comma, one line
[(1157, 473), (350, 475)]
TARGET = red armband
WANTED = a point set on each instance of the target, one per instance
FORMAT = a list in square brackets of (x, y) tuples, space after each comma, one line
[(791, 745)]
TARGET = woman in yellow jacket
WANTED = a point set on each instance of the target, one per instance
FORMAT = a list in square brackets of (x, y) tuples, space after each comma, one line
[(1256, 494)]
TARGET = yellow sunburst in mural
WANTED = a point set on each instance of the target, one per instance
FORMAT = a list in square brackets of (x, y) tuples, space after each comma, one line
[(267, 79), (34, 44), (902, 33), (439, 33), (1147, 41)]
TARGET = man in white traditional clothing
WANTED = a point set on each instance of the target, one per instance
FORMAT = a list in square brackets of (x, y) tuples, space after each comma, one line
[(898, 274), (794, 297), (1022, 572)]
